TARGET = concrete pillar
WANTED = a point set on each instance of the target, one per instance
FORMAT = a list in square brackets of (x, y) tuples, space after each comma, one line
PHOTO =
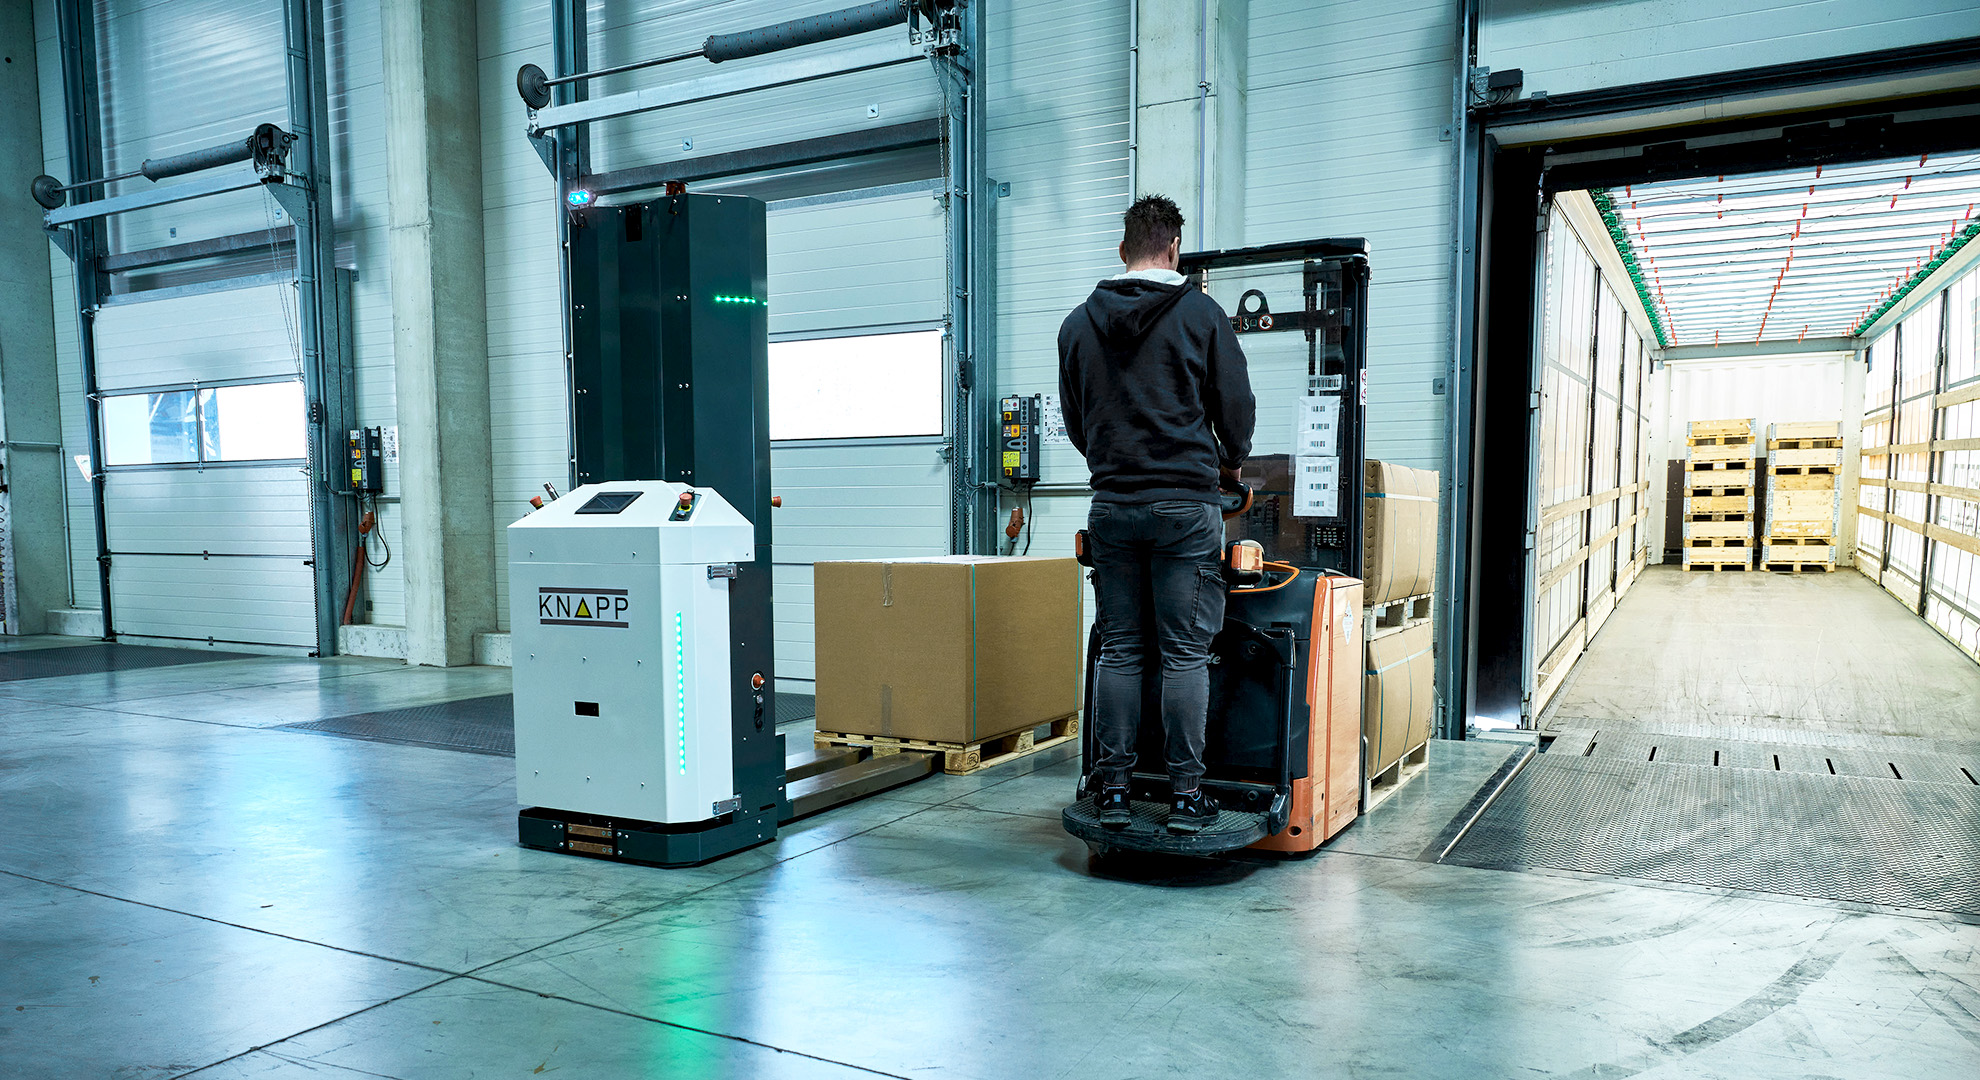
[(440, 334), (30, 416), (1190, 113)]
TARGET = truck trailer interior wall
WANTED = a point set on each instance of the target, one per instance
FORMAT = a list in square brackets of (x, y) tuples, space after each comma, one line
[(1592, 532), (1920, 497)]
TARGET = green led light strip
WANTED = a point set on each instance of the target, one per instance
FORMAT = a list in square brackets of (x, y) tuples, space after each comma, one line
[(721, 299), (1918, 278), (680, 689), (1620, 237)]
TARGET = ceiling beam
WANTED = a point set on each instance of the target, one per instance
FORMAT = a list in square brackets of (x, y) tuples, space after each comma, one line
[(1784, 347)]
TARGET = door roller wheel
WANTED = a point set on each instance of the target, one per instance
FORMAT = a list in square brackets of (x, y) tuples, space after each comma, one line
[(533, 85)]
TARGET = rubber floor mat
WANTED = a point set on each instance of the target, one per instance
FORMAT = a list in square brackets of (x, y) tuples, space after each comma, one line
[(21, 664), (794, 707), (483, 725), (1898, 843)]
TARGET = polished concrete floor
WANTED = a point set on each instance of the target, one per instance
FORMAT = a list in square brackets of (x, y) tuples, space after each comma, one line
[(186, 891), (1830, 654)]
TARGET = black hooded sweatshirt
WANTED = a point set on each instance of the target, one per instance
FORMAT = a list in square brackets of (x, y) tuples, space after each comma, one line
[(1154, 390)]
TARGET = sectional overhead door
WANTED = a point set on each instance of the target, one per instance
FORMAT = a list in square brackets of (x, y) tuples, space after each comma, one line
[(205, 491), (856, 315)]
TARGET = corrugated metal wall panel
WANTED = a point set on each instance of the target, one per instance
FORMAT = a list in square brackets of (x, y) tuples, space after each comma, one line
[(1349, 106), (181, 76), (1574, 47), (842, 104), (358, 159), (1058, 127)]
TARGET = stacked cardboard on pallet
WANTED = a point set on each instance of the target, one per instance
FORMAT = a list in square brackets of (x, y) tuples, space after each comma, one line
[(1718, 495), (947, 652), (1804, 496), (1399, 569)]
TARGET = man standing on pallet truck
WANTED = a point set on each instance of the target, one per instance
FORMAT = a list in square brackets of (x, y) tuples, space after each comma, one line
[(1157, 399)]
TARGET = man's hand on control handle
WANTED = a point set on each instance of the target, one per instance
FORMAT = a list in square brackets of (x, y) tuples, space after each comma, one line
[(1233, 497)]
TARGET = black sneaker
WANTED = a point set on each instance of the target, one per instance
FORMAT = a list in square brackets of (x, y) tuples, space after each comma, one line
[(1191, 812), (1112, 804)]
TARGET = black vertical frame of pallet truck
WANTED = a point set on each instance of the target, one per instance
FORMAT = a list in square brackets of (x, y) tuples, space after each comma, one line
[(1348, 257)]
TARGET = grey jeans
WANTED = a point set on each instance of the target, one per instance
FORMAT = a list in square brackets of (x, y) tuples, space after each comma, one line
[(1160, 590)]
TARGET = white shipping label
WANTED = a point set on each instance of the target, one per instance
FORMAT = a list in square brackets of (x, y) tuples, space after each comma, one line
[(1317, 486), (389, 444), (1317, 426), (1052, 422)]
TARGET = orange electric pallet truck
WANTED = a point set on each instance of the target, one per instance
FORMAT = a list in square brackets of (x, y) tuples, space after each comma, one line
[(1283, 745)]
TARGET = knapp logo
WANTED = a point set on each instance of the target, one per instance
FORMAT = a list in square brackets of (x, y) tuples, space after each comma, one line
[(581, 607)]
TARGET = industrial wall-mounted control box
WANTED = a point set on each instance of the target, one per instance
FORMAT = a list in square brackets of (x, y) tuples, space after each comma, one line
[(366, 447), (1018, 440)]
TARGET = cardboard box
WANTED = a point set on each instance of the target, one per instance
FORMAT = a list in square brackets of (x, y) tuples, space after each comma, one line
[(1398, 533), (1398, 694), (953, 648)]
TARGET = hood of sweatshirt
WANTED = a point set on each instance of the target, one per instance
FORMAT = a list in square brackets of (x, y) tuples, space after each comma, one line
[(1123, 310)]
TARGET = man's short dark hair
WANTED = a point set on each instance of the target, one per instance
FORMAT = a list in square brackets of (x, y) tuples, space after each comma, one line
[(1149, 227)]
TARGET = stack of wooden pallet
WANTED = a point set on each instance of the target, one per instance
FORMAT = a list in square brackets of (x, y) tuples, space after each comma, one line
[(1804, 496), (1718, 495)]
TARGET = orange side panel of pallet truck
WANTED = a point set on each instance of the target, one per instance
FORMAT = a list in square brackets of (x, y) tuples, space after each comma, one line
[(1328, 797)]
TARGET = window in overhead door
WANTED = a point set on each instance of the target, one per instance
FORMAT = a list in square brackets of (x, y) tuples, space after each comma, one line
[(868, 386)]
